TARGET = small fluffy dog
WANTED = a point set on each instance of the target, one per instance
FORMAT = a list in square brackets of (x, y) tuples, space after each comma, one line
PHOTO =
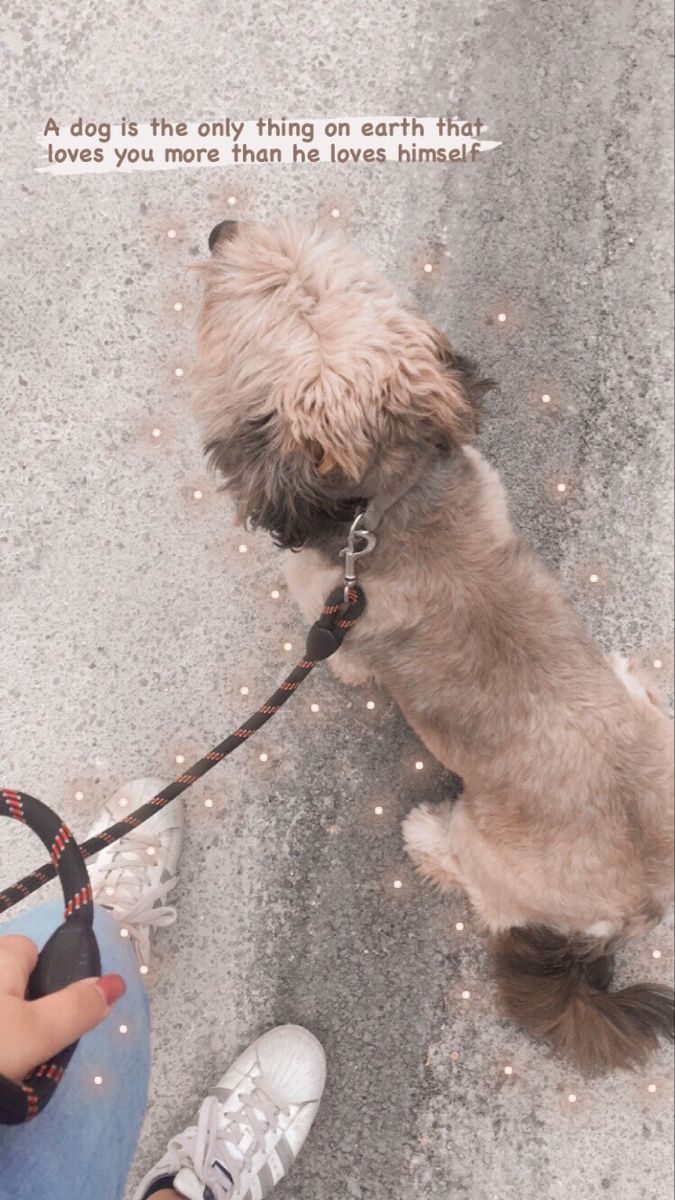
[(321, 391)]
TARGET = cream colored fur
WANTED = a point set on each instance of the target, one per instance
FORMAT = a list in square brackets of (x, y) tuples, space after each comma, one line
[(566, 817)]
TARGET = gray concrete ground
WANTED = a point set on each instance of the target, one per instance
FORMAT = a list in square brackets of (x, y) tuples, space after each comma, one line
[(129, 620)]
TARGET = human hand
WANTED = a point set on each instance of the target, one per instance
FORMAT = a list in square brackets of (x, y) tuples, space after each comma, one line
[(33, 1031)]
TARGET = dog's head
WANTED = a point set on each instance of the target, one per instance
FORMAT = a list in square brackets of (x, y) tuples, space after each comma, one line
[(319, 386)]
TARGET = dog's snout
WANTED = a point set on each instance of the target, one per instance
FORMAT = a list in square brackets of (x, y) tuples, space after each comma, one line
[(222, 232)]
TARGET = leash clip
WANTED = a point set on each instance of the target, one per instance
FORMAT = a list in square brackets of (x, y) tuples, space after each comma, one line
[(350, 552)]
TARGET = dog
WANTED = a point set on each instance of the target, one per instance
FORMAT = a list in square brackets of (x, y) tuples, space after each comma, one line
[(323, 394)]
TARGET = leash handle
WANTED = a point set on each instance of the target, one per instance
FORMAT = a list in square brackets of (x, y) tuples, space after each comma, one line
[(70, 954)]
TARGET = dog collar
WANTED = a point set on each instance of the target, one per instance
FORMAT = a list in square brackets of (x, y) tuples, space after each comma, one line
[(377, 506)]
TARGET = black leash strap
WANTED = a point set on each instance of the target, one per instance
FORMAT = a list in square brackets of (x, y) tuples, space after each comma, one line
[(72, 953), (324, 638)]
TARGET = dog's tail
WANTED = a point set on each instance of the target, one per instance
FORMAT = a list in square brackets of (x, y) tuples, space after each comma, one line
[(556, 988)]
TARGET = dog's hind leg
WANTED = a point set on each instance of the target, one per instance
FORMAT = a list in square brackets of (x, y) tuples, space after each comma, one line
[(427, 837)]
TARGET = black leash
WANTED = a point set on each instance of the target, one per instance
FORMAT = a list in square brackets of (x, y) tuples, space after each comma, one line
[(72, 953), (325, 637)]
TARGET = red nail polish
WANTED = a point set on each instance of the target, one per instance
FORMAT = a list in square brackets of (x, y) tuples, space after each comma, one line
[(112, 987)]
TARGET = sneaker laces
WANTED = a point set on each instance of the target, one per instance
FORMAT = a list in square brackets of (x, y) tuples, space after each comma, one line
[(209, 1146), (126, 889)]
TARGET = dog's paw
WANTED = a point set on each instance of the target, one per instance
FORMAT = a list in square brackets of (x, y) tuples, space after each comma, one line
[(627, 670), (425, 837), (351, 672), (421, 833)]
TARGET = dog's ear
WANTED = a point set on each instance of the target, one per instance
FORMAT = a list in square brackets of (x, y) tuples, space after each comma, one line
[(452, 402), (466, 374), (326, 463), (281, 491), (434, 395)]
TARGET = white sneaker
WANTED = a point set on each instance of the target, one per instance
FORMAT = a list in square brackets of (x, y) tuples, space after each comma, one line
[(134, 876), (251, 1128)]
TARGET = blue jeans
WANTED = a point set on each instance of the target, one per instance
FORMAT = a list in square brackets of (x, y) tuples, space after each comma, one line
[(82, 1145)]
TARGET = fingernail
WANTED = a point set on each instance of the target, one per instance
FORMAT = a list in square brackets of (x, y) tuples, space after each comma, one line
[(112, 987)]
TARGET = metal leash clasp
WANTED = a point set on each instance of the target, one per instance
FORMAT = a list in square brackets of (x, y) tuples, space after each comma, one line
[(350, 552)]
